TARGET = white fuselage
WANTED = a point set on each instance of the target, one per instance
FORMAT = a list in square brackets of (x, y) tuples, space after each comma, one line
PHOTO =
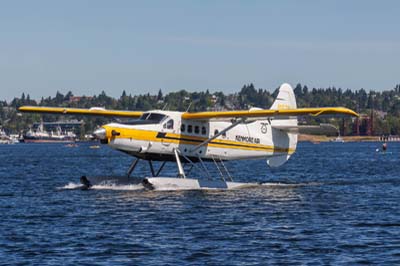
[(249, 140)]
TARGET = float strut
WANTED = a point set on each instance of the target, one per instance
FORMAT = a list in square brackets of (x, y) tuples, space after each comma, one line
[(132, 167), (205, 168), (152, 168), (161, 167)]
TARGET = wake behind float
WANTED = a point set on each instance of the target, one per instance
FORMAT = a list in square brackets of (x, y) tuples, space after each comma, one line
[(89, 182)]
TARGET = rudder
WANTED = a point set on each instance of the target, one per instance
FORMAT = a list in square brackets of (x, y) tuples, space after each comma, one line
[(285, 100)]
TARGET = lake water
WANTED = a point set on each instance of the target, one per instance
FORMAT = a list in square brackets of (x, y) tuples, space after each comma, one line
[(332, 203)]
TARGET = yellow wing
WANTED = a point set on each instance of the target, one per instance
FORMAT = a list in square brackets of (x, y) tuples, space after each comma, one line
[(270, 113), (95, 111)]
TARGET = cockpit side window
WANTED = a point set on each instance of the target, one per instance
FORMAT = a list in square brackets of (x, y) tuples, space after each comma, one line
[(170, 124)]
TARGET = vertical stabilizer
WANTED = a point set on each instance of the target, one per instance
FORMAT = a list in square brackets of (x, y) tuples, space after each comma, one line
[(283, 140), (285, 99)]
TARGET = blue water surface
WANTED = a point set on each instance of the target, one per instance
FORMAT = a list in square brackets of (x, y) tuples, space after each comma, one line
[(331, 204)]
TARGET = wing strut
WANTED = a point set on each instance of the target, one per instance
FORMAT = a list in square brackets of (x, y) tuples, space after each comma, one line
[(219, 134)]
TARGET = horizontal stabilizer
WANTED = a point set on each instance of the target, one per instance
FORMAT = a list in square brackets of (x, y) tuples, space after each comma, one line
[(322, 129)]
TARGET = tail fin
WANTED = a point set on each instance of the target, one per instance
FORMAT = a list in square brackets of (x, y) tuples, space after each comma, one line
[(285, 99), (281, 139)]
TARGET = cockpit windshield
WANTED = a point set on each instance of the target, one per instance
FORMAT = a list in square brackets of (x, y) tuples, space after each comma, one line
[(153, 117), (146, 119)]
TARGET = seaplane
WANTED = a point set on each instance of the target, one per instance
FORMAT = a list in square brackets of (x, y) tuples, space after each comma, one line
[(193, 138)]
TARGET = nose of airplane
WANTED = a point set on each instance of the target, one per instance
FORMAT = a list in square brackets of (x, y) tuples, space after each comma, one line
[(100, 133)]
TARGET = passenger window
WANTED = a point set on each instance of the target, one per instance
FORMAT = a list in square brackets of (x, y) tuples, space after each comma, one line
[(170, 124), (216, 132), (203, 131), (196, 130), (183, 128), (190, 128), (224, 134)]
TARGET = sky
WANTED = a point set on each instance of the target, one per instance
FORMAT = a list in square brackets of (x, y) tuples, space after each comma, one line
[(143, 46)]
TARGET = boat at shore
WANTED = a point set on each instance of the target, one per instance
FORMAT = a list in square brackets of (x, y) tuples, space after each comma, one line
[(42, 136), (4, 138), (7, 139), (337, 139)]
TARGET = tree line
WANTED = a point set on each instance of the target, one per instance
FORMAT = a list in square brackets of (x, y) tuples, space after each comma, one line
[(380, 107)]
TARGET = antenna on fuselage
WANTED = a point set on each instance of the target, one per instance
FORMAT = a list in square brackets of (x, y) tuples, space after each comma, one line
[(187, 109)]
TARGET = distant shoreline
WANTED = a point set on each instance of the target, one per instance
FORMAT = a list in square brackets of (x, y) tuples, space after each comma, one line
[(316, 139)]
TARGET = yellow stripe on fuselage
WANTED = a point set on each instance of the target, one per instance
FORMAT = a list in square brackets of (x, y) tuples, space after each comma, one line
[(151, 135)]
